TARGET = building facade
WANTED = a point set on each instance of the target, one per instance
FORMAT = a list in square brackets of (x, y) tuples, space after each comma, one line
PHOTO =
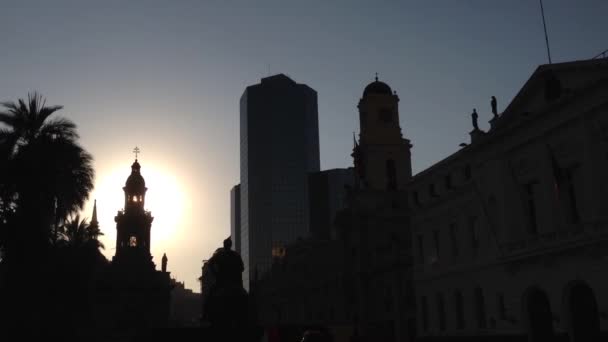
[(510, 233), (279, 147)]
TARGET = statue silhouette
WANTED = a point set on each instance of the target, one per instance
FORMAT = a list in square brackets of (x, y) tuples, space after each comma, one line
[(227, 306), (474, 117), (227, 266), (494, 106)]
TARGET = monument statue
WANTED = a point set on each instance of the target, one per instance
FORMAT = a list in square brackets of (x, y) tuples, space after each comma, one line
[(226, 307), (227, 266)]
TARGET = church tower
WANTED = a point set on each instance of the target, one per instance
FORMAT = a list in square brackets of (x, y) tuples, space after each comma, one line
[(133, 223), (382, 156)]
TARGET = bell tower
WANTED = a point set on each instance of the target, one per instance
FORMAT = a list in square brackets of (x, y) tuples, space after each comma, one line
[(133, 223), (382, 156)]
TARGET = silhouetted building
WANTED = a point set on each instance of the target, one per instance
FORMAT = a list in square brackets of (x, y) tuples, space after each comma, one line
[(185, 306), (327, 193), (510, 232), (356, 282), (375, 225), (137, 295), (307, 287), (235, 217), (279, 147)]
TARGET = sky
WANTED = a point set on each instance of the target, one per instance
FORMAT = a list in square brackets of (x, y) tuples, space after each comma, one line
[(167, 76)]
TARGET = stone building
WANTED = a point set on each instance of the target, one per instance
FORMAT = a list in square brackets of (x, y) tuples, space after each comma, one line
[(510, 233)]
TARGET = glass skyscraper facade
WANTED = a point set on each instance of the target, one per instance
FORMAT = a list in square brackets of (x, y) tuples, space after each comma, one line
[(279, 148)]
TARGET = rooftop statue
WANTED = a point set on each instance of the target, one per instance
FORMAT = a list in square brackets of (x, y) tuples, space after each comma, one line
[(474, 117)]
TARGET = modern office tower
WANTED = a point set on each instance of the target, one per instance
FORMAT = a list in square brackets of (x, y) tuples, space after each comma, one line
[(327, 194), (279, 148)]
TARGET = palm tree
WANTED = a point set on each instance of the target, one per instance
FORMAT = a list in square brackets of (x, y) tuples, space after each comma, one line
[(78, 233), (45, 175)]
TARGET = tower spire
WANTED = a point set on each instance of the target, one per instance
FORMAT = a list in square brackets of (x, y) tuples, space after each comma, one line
[(94, 223), (94, 217)]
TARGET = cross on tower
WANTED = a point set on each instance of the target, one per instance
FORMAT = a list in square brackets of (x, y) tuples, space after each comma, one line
[(136, 151), (376, 77)]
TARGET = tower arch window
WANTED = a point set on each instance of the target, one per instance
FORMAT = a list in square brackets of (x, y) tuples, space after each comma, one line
[(133, 241), (385, 115)]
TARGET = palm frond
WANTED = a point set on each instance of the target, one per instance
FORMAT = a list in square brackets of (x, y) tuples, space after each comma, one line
[(59, 127)]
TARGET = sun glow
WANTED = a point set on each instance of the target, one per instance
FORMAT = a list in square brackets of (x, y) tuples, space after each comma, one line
[(164, 199)]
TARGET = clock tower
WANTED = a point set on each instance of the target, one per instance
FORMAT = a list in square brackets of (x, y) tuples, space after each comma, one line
[(382, 156)]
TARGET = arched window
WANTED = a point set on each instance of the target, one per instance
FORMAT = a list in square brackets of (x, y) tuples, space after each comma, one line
[(582, 313), (480, 308), (425, 314), (538, 315), (391, 175), (459, 308), (441, 311)]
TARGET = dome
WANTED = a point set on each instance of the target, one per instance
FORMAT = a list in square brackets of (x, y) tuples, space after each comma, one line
[(377, 88), (135, 182)]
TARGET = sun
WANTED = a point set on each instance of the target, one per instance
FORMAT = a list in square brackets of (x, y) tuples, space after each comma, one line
[(164, 199)]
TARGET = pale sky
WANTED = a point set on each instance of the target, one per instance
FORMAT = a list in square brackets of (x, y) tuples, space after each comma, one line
[(167, 76)]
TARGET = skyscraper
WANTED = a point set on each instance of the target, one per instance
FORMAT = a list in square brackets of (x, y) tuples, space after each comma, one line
[(279, 147), (328, 196)]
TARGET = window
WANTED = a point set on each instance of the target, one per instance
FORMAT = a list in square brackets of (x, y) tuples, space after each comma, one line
[(530, 193), (448, 181), (441, 311), (459, 305), (416, 198), (566, 193), (425, 314), (391, 175), (432, 190), (467, 172), (436, 240), (473, 233), (502, 310), (133, 241), (421, 249), (480, 310), (454, 239)]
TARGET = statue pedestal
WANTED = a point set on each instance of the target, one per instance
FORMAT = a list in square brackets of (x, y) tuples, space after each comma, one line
[(494, 122), (476, 134)]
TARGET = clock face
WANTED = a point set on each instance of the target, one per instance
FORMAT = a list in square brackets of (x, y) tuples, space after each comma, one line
[(385, 116)]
